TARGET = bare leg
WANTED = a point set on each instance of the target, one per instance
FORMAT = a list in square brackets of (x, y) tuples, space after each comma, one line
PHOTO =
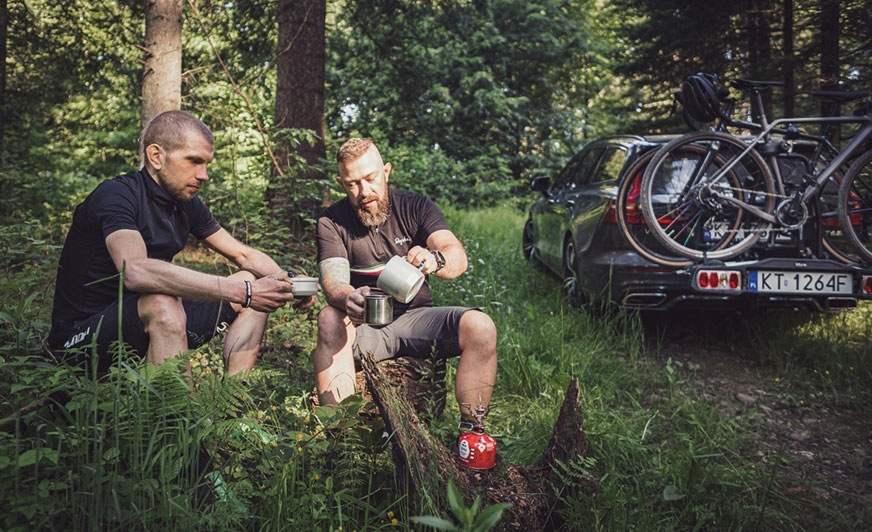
[(164, 319), (245, 334), (334, 361), (477, 369)]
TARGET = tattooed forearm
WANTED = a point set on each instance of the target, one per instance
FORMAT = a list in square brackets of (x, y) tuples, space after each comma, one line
[(336, 279)]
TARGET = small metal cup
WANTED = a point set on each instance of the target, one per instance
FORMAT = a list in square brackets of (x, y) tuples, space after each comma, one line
[(378, 309)]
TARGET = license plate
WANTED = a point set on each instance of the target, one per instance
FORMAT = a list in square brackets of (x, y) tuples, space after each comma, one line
[(713, 230), (799, 282)]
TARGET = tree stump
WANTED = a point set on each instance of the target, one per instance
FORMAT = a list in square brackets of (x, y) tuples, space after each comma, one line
[(421, 383), (427, 464)]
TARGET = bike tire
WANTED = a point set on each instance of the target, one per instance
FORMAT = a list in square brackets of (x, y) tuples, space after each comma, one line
[(685, 217), (855, 206), (631, 223)]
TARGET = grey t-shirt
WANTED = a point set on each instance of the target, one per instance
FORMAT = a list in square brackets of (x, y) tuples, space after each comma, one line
[(412, 218)]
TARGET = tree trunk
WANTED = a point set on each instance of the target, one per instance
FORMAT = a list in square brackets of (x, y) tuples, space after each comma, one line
[(830, 31), (162, 76), (299, 105), (759, 51), (789, 60), (4, 22), (427, 465)]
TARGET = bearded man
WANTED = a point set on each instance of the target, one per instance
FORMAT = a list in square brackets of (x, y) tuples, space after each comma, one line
[(356, 237)]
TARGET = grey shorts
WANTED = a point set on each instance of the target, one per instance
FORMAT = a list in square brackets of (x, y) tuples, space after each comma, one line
[(423, 332)]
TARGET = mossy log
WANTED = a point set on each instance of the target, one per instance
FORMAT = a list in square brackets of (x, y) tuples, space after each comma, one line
[(427, 464)]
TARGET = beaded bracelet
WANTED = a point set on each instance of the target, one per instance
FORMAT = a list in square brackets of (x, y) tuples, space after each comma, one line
[(247, 295)]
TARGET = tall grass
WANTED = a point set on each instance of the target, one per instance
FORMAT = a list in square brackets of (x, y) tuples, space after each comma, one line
[(668, 458), (124, 451)]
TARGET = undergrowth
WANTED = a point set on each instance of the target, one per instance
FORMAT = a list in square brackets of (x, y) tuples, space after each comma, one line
[(126, 450)]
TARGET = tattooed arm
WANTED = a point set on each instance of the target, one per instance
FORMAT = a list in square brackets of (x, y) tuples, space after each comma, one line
[(336, 279)]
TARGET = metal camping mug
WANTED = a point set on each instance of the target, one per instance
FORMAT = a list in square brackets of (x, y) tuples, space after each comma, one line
[(378, 309)]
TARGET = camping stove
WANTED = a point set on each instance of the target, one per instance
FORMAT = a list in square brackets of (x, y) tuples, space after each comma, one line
[(475, 449)]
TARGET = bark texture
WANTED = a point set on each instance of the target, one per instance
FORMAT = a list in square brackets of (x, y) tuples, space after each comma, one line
[(299, 105), (162, 76), (427, 464)]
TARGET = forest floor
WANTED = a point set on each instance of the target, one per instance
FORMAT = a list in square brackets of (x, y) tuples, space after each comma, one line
[(819, 446)]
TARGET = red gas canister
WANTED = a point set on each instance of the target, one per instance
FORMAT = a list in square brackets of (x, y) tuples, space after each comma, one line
[(476, 449)]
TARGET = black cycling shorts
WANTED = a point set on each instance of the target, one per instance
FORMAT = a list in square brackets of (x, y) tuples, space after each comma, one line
[(420, 333), (204, 320)]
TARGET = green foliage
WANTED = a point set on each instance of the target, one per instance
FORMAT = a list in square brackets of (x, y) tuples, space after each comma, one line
[(470, 519), (492, 86)]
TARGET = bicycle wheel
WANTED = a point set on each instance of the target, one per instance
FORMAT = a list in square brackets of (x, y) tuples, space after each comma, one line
[(834, 239), (855, 206), (689, 196), (631, 223)]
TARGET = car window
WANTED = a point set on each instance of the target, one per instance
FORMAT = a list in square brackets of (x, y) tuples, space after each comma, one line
[(610, 165), (582, 172), (568, 170)]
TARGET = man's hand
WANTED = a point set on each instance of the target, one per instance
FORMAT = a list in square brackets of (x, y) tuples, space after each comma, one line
[(354, 304), (271, 292), (418, 256)]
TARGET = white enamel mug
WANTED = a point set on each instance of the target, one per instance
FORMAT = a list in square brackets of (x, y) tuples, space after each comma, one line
[(400, 279)]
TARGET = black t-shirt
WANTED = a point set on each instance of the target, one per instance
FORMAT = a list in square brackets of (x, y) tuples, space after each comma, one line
[(412, 218), (130, 201)]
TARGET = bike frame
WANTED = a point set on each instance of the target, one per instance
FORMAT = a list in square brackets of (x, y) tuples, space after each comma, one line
[(859, 138)]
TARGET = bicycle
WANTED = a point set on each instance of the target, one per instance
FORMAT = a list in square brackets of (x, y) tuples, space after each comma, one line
[(703, 101), (716, 203)]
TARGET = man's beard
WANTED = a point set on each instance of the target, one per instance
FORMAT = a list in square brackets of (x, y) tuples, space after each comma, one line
[(376, 215)]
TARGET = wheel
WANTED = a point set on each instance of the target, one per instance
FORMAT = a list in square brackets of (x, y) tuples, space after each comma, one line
[(855, 206), (822, 233), (688, 196), (528, 245), (631, 222), (834, 238), (570, 284)]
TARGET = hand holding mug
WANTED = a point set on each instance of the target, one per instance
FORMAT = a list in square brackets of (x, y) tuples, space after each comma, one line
[(355, 304)]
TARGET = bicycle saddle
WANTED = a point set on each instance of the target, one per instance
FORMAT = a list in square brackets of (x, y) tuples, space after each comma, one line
[(745, 84), (840, 96)]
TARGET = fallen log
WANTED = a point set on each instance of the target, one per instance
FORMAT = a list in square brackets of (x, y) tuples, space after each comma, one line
[(427, 464)]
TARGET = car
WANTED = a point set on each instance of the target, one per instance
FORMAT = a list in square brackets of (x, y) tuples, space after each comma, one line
[(572, 230)]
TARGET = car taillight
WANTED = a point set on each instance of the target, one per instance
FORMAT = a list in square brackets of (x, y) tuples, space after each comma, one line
[(611, 216), (832, 220), (855, 204), (634, 213), (719, 280), (866, 284)]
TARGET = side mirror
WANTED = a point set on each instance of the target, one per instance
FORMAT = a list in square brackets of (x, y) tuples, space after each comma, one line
[(540, 184)]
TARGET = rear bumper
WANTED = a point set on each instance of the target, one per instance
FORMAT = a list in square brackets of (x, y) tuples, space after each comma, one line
[(635, 283)]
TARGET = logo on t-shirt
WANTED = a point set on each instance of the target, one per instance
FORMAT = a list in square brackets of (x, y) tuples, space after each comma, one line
[(399, 241)]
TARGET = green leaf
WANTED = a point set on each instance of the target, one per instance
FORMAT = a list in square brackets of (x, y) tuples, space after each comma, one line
[(489, 517), (436, 522), (670, 493), (455, 501), (27, 458)]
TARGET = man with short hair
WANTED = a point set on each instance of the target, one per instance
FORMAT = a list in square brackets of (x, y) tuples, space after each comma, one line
[(135, 224), (356, 237)]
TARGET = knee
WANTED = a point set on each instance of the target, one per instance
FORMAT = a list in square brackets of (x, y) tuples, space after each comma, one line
[(477, 328), (243, 275), (331, 326), (162, 313)]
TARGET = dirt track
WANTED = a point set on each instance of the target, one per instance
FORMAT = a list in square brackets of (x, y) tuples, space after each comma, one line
[(823, 451)]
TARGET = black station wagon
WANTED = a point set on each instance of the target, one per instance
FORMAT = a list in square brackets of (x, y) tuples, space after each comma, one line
[(573, 231)]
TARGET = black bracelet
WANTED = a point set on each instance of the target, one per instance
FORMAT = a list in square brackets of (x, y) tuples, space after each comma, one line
[(247, 295)]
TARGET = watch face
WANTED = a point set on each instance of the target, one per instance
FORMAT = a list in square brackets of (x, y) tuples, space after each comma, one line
[(440, 259)]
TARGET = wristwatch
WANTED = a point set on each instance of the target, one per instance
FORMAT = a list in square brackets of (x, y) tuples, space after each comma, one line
[(440, 259)]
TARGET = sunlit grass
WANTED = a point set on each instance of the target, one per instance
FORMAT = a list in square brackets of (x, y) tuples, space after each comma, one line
[(667, 457)]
